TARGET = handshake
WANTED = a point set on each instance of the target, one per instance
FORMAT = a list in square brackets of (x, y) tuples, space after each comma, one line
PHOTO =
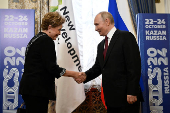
[(80, 77)]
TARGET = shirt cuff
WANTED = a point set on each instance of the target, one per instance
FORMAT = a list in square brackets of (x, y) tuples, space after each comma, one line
[(63, 72)]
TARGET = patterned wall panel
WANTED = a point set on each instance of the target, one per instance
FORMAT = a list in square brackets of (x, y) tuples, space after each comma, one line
[(41, 7)]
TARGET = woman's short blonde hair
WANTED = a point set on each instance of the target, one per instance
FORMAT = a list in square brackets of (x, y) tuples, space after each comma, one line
[(52, 18)]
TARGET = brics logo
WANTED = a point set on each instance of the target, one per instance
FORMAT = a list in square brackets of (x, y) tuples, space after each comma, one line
[(11, 73)]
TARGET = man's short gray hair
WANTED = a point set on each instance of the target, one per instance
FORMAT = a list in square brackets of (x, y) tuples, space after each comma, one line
[(108, 15)]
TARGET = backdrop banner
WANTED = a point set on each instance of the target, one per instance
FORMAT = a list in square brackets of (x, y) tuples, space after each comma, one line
[(153, 38), (16, 29), (69, 93)]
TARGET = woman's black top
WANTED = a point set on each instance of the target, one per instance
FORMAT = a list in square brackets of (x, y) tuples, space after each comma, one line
[(40, 68)]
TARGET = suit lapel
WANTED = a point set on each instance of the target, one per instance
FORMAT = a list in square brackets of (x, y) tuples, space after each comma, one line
[(111, 45), (101, 49)]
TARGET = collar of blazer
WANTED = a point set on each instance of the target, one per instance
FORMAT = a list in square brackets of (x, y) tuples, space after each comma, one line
[(111, 45)]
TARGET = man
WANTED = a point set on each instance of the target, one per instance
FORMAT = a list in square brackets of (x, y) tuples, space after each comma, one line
[(118, 60)]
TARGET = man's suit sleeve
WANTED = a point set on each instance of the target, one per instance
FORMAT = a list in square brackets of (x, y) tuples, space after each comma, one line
[(95, 71), (133, 63)]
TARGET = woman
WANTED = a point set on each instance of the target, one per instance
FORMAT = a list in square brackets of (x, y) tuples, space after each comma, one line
[(37, 85)]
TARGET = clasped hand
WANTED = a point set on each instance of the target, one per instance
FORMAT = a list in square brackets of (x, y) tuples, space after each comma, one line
[(81, 77)]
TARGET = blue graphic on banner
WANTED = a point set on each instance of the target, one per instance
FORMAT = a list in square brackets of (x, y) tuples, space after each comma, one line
[(17, 28), (153, 38)]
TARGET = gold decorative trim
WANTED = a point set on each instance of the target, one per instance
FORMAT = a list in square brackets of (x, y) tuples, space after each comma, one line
[(157, 1)]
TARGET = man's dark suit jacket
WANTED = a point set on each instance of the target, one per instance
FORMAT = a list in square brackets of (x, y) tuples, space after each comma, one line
[(120, 70)]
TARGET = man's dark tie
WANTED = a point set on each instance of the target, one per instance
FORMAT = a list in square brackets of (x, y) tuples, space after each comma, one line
[(104, 54), (106, 47)]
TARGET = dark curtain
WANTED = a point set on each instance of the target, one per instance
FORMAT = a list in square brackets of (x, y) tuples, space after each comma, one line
[(141, 6)]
